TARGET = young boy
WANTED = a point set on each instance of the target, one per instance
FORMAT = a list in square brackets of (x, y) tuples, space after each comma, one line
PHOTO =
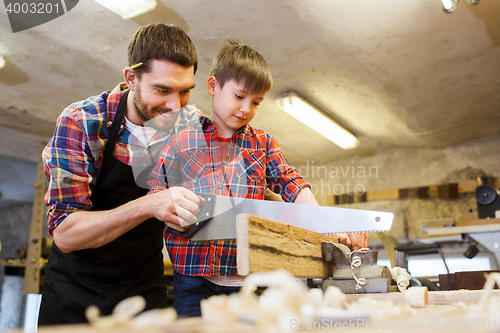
[(223, 156)]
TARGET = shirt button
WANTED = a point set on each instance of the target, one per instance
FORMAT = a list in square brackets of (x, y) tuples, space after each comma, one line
[(216, 159)]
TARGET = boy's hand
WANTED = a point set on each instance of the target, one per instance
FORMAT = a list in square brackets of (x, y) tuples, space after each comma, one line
[(354, 241)]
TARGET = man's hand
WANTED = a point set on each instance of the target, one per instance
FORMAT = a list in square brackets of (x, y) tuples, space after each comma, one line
[(354, 241), (177, 207), (271, 196)]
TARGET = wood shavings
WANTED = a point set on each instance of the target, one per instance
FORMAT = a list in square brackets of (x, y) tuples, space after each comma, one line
[(217, 310), (124, 314), (333, 297), (492, 279), (285, 299), (287, 304), (155, 318), (402, 278), (129, 307), (417, 297)]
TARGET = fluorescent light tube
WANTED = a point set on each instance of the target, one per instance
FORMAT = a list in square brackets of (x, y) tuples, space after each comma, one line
[(128, 9), (447, 4), (304, 112)]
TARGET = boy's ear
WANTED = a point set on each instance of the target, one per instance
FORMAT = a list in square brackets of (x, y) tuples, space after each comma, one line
[(211, 83), (130, 78)]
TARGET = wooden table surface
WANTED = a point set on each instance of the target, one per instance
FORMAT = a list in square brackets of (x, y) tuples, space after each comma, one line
[(429, 319)]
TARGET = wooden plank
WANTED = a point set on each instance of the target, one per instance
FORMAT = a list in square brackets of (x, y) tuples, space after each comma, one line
[(423, 192), (471, 280), (168, 270), (265, 245), (444, 282), (496, 183), (463, 230), (467, 187), (477, 222), (433, 191), (34, 261), (443, 191), (434, 297), (360, 197), (382, 195), (435, 223)]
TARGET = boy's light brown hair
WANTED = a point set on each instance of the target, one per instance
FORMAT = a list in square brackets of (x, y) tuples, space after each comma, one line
[(239, 62), (161, 42)]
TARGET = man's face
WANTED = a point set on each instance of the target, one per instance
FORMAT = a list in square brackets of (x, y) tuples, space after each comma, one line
[(160, 94), (233, 107)]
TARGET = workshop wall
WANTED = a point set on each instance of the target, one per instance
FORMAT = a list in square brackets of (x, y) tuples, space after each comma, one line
[(409, 168), (14, 232)]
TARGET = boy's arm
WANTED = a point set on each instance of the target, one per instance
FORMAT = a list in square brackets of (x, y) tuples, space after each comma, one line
[(355, 241), (288, 178)]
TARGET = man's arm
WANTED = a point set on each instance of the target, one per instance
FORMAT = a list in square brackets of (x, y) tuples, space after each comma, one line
[(92, 229), (69, 161)]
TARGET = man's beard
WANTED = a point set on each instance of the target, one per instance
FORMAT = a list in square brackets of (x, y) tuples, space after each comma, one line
[(160, 122)]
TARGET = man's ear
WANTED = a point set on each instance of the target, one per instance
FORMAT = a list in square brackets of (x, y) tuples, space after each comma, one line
[(130, 78), (211, 83)]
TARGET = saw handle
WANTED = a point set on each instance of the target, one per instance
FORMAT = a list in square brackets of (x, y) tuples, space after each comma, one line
[(206, 213)]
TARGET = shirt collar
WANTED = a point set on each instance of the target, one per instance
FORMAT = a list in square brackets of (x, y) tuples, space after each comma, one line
[(207, 124)]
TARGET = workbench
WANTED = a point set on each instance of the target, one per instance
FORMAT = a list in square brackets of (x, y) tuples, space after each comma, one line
[(446, 311)]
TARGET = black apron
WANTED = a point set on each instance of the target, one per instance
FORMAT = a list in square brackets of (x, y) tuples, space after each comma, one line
[(128, 266)]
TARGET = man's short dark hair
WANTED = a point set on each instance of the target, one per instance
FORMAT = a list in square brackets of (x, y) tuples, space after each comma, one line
[(239, 62), (161, 42)]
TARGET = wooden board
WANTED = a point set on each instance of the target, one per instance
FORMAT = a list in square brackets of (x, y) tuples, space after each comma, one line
[(382, 195), (472, 280), (435, 297), (168, 270), (464, 229), (464, 223), (443, 191), (264, 245)]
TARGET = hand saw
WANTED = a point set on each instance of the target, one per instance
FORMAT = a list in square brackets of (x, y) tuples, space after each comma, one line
[(217, 217)]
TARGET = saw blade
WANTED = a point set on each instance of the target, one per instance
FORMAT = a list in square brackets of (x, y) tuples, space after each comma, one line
[(220, 222)]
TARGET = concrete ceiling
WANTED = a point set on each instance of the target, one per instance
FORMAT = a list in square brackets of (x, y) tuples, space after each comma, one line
[(397, 74)]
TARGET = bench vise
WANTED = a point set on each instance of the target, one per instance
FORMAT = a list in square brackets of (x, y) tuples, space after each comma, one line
[(355, 272)]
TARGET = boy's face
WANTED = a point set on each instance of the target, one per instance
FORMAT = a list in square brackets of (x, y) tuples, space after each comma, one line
[(232, 106)]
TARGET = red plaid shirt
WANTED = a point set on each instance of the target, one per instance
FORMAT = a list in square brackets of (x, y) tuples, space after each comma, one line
[(192, 159)]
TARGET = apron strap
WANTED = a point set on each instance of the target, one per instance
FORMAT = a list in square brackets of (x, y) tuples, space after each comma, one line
[(114, 131)]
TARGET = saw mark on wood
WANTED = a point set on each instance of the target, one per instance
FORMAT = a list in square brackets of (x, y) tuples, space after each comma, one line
[(276, 251)]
